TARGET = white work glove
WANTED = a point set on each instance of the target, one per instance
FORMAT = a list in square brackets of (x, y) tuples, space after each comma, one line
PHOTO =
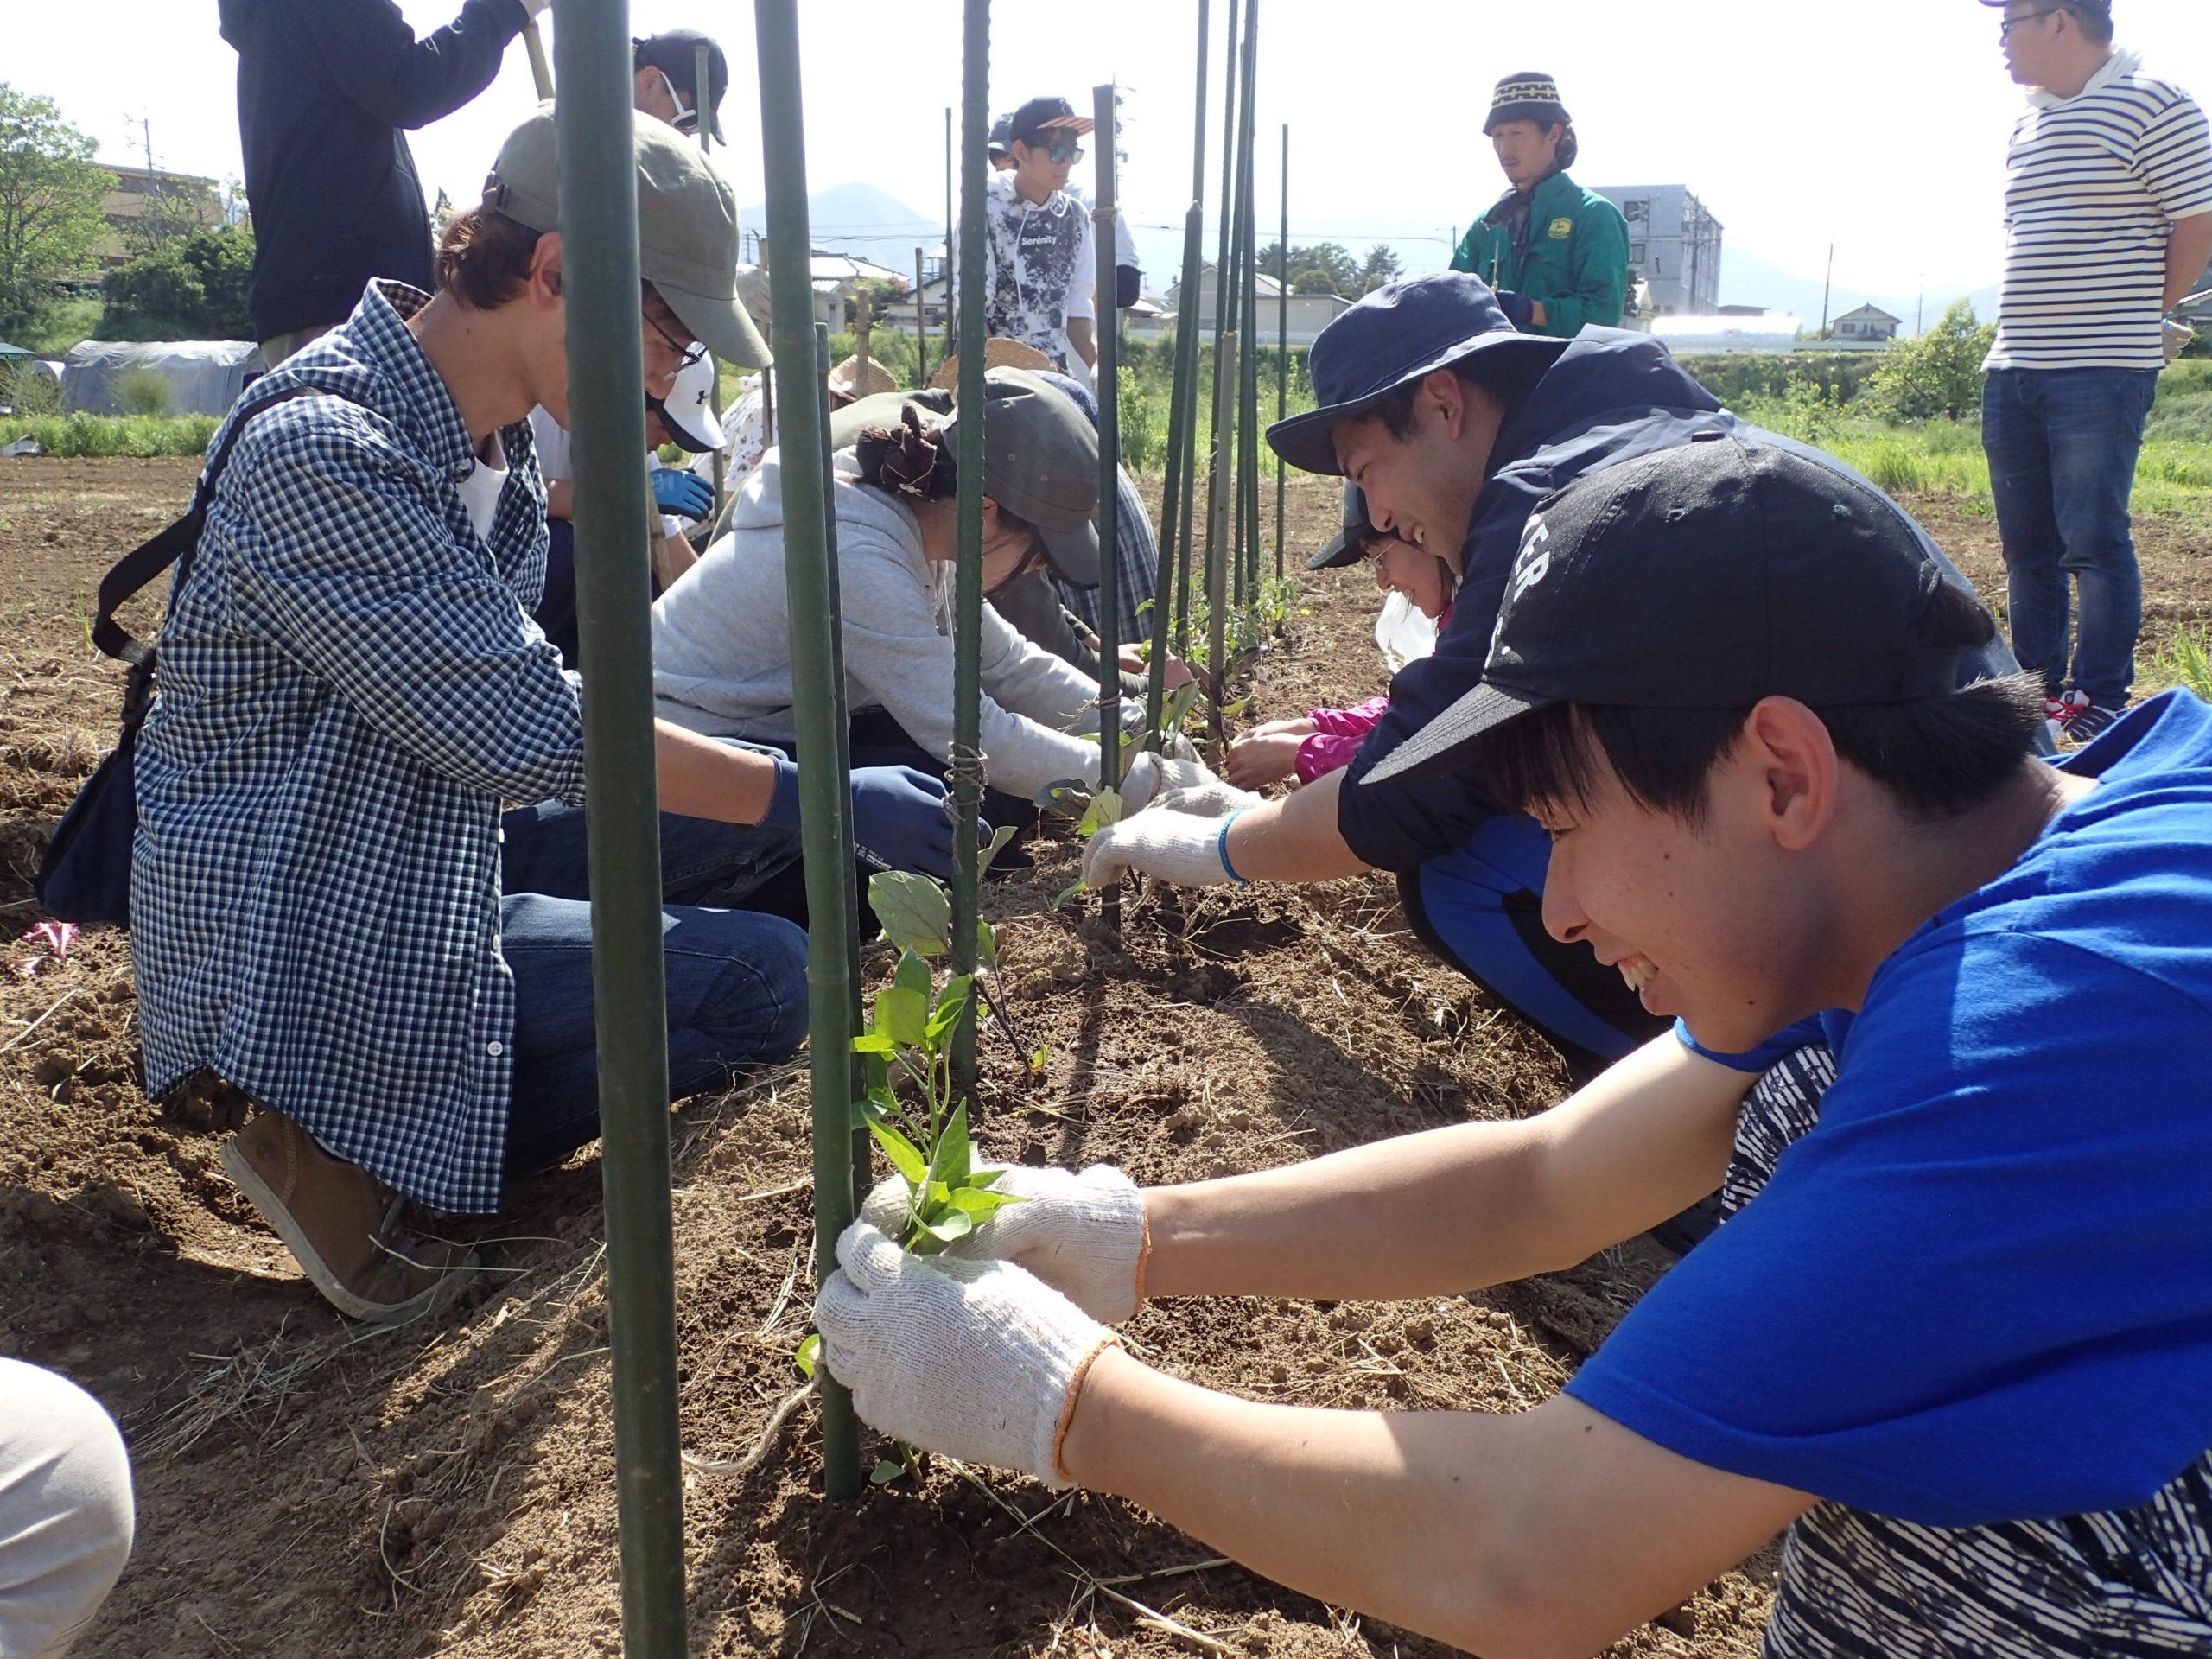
[(1168, 846), (1083, 1234), (979, 1360), (1180, 786)]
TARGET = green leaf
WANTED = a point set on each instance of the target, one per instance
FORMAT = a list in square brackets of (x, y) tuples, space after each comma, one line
[(874, 1042), (1000, 836), (913, 973), (1067, 894), (914, 910), (955, 1157), (1177, 710), (1041, 1058), (1105, 808), (901, 1014), (954, 1225), (885, 1471), (1068, 797), (987, 944), (806, 1353), (1237, 708), (979, 1202), (951, 1003), (905, 1157)]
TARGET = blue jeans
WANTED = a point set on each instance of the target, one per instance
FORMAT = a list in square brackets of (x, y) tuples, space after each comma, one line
[(736, 981), (2061, 446), (1480, 907)]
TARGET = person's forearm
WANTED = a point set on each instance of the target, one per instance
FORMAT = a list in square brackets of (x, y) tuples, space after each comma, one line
[(2187, 250), (702, 779), (560, 498), (1454, 1209), (673, 556), (1523, 1535), (1295, 839), (1085, 343)]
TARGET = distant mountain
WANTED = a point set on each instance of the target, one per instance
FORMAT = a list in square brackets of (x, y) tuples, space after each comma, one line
[(860, 219), (1746, 279)]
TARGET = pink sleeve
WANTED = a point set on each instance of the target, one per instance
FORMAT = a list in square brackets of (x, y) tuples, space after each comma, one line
[(1355, 722), (1325, 751)]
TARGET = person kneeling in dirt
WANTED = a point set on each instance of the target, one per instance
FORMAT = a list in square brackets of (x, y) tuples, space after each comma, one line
[(66, 1511), (1454, 425), (1318, 744), (324, 918), (1956, 1339), (721, 634)]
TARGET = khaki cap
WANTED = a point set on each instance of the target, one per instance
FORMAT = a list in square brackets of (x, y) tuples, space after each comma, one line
[(999, 352), (687, 225)]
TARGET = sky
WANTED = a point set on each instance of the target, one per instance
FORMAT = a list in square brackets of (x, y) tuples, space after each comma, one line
[(1877, 126)]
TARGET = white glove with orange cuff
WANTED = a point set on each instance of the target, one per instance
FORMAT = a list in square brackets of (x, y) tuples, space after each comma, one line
[(979, 1360), (1169, 845), (1082, 1234)]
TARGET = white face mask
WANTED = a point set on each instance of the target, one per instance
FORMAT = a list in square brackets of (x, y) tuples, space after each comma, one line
[(686, 118)]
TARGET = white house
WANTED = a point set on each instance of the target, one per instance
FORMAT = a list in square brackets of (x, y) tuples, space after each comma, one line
[(1308, 313), (1868, 322)]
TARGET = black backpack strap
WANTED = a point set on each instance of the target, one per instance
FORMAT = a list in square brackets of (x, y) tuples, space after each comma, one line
[(135, 568)]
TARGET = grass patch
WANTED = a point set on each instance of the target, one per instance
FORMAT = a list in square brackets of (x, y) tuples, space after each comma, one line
[(77, 436), (2184, 660)]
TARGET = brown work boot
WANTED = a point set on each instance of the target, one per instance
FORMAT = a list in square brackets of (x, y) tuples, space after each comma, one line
[(345, 1229)]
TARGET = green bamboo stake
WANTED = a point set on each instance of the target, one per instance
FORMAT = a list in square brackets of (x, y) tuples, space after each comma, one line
[(1282, 349), (1224, 321), (967, 759), (1217, 538), (921, 326), (701, 85), (1103, 214), (1248, 419), (1170, 585), (825, 788), (951, 321), (598, 193)]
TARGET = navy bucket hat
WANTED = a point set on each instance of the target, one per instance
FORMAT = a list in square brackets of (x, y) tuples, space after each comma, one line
[(1395, 336)]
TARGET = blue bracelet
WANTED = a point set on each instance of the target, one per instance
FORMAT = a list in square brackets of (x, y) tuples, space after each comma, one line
[(1221, 846)]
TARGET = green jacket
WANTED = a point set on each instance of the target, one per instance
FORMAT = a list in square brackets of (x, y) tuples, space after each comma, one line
[(1577, 262)]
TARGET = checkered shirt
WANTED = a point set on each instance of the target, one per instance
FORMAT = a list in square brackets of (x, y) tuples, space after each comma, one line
[(1136, 568), (351, 687)]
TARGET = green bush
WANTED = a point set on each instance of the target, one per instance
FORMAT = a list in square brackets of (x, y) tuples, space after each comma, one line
[(1937, 373), (1737, 379), (188, 287), (82, 434), (142, 390), (27, 390)]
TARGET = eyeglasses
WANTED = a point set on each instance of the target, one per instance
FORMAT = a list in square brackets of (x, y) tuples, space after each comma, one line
[(2005, 30), (686, 356), (1064, 153), (687, 119)]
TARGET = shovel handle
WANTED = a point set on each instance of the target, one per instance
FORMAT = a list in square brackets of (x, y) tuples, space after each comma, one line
[(541, 68)]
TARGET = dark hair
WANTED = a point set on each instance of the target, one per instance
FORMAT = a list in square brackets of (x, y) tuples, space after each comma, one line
[(914, 459), (1938, 756), (484, 257), (2093, 21), (1502, 382)]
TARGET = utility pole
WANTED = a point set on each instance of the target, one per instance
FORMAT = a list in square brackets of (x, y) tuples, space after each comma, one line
[(1827, 289)]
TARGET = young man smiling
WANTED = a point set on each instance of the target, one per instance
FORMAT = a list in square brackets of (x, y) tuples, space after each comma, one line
[(1040, 276), (1455, 425), (1956, 1339)]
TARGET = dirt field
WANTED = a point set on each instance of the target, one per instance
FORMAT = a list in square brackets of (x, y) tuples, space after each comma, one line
[(306, 1488)]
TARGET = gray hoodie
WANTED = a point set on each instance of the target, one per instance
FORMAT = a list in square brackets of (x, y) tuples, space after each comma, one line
[(721, 641)]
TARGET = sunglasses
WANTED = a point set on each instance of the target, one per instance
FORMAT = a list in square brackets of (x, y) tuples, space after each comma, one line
[(1064, 152)]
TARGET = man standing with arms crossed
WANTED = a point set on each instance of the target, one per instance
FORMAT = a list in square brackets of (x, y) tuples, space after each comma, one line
[(2108, 221)]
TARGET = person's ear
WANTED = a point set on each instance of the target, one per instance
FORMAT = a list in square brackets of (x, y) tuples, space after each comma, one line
[(1447, 394), (544, 287), (1795, 772)]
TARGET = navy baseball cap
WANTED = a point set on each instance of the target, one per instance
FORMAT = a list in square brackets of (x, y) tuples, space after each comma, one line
[(1001, 141), (1397, 334), (1710, 576), (1347, 547), (675, 53), (1042, 115)]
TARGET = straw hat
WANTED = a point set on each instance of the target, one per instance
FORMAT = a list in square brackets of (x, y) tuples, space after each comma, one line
[(998, 353), (858, 377)]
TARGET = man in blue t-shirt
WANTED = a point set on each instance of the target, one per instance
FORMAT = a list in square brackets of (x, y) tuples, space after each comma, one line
[(1959, 1340)]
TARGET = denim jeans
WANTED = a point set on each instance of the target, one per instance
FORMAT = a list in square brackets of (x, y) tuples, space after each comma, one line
[(736, 979), (2061, 446)]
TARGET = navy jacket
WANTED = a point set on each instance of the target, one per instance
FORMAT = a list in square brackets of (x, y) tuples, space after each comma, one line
[(325, 87), (1610, 396)]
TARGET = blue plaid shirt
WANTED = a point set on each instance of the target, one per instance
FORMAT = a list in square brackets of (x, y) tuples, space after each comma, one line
[(351, 687), (1136, 568)]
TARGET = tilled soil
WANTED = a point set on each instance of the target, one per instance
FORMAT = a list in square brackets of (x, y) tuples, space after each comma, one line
[(306, 1487)]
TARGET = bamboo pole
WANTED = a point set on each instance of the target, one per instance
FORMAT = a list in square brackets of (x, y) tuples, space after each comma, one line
[(1221, 454), (599, 187), (1282, 349), (1248, 417), (1171, 595), (1104, 215), (966, 759), (1241, 278), (700, 84), (921, 326), (541, 72), (1216, 533), (825, 792), (951, 321)]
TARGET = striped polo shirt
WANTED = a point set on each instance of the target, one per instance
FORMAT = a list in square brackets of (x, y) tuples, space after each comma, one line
[(2093, 185)]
